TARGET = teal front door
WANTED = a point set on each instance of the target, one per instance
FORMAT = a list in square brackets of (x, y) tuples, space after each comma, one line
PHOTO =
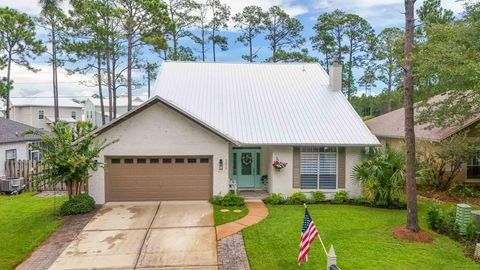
[(246, 167)]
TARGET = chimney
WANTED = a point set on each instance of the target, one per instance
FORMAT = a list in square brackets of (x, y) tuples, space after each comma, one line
[(335, 74)]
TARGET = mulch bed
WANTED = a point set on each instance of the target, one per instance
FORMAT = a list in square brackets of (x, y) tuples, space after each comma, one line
[(404, 234), (444, 197)]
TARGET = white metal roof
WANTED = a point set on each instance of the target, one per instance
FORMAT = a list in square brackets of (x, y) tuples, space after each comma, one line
[(288, 104), (43, 100)]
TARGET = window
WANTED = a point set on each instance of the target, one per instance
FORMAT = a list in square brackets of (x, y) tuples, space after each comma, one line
[(128, 161), (11, 154), (74, 115), (141, 160), (35, 155), (179, 160), (115, 160), (41, 114), (167, 160), (192, 160), (154, 160), (204, 160), (473, 167), (318, 168)]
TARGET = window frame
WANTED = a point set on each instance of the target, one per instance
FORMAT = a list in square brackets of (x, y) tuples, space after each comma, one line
[(318, 151), (73, 114), (470, 165), (41, 114), (11, 150)]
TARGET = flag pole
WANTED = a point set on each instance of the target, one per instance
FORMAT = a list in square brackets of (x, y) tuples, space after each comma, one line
[(319, 238)]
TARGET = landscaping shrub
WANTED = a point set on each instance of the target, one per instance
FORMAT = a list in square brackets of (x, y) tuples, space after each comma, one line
[(435, 218), (297, 198), (438, 168), (462, 191), (275, 198), (80, 204), (382, 175), (471, 232), (317, 197), (340, 197), (229, 199)]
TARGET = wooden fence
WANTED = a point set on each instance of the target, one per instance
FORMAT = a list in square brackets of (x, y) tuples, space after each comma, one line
[(27, 169)]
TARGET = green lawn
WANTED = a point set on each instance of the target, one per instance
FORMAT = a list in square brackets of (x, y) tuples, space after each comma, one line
[(25, 221), (222, 218), (361, 236)]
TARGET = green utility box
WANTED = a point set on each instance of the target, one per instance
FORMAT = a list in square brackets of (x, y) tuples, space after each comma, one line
[(463, 216), (476, 219)]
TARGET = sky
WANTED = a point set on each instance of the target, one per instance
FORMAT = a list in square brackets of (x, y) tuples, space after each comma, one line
[(380, 14)]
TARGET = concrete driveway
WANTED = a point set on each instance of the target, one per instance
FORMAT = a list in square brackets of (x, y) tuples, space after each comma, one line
[(145, 235)]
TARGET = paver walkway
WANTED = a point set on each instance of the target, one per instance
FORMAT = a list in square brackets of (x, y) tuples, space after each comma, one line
[(257, 211), (48, 251)]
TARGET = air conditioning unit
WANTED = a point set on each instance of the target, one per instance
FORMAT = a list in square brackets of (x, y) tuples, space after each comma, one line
[(12, 185)]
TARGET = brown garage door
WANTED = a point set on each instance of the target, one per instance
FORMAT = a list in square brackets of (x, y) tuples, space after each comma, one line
[(158, 178)]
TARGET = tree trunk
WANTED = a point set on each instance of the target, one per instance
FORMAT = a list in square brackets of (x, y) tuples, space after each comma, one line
[(129, 70), (54, 71), (99, 81), (109, 80), (250, 41), (213, 44), (114, 81), (203, 44), (389, 92), (9, 66), (148, 81), (412, 215)]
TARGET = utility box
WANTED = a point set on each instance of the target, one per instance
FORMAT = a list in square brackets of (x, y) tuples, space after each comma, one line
[(476, 219), (463, 216)]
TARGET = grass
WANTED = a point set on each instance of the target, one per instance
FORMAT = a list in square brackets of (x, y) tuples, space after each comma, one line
[(25, 222), (222, 218), (361, 236)]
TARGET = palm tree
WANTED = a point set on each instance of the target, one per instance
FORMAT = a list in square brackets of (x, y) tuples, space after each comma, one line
[(382, 175)]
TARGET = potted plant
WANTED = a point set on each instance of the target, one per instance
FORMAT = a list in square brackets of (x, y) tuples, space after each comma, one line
[(278, 165)]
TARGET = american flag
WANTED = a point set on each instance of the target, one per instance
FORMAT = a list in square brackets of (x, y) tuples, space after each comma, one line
[(309, 232)]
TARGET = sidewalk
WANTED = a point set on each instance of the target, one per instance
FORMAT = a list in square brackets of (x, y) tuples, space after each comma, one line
[(257, 211)]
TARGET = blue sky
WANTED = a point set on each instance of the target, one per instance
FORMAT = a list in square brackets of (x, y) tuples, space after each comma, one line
[(380, 14)]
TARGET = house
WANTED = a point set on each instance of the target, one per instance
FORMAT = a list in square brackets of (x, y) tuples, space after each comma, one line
[(38, 112), (92, 109), (390, 130), (209, 124), (14, 144)]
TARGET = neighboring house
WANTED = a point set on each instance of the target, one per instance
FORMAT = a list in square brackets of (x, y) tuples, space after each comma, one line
[(38, 111), (14, 144), (93, 113), (390, 130), (210, 123)]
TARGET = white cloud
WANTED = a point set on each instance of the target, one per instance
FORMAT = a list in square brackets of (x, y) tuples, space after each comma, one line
[(27, 83)]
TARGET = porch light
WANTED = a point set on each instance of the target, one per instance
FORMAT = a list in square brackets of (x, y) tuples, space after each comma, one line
[(220, 164)]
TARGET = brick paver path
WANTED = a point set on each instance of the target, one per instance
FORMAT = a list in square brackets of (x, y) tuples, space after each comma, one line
[(232, 254), (43, 257), (257, 211)]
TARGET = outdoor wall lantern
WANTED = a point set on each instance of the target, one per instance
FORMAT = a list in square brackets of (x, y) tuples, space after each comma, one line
[(220, 164)]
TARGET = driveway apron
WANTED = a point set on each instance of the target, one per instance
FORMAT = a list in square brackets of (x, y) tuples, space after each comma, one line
[(145, 235)]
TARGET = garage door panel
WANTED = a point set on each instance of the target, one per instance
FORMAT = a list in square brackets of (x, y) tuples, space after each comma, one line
[(158, 178)]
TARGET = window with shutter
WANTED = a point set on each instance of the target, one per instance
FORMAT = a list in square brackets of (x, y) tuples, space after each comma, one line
[(318, 168)]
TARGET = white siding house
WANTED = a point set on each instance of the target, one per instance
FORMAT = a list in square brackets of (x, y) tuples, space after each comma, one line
[(14, 144), (38, 111), (211, 126), (92, 110)]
